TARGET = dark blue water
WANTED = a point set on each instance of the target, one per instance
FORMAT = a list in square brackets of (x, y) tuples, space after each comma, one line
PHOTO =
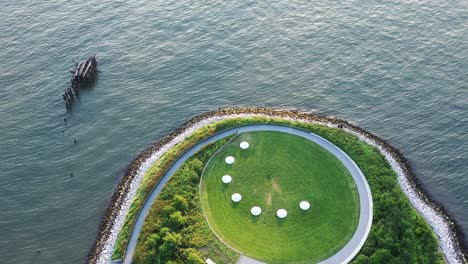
[(396, 68)]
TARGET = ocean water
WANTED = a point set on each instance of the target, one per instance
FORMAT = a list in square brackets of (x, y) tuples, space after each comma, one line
[(395, 68)]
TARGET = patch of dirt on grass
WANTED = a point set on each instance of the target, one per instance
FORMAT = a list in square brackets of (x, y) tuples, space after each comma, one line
[(268, 198), (275, 186)]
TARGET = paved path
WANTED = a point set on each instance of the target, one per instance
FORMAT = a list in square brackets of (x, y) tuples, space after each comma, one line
[(344, 255), (246, 260)]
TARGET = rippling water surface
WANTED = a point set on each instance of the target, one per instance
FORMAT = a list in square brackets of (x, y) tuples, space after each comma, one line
[(396, 68)]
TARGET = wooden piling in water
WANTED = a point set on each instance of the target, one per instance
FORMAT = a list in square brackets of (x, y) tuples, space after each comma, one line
[(85, 71)]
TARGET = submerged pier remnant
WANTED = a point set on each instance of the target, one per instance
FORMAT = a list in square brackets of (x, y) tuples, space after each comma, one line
[(84, 73)]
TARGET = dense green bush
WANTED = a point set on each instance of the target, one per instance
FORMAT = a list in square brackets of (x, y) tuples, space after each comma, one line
[(175, 230)]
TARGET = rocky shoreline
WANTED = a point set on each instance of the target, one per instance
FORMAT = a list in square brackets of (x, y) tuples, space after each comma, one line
[(453, 245)]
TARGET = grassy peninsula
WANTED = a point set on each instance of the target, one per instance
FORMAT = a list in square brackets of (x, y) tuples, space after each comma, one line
[(398, 235)]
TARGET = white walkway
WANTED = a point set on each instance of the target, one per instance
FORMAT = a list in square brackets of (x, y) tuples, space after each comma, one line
[(247, 260)]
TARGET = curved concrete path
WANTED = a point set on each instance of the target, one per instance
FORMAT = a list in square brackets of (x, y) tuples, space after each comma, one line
[(344, 255)]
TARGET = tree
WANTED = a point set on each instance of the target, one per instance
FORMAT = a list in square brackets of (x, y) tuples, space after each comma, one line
[(361, 259), (168, 210), (180, 203), (153, 240), (170, 243), (381, 256), (177, 220), (151, 257), (192, 256), (196, 165)]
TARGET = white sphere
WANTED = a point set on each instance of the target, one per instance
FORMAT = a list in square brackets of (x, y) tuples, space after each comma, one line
[(281, 213), (244, 145), (236, 197), (304, 205), (256, 210), (226, 179), (229, 160)]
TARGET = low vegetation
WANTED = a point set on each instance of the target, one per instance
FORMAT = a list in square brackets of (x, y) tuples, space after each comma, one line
[(175, 230)]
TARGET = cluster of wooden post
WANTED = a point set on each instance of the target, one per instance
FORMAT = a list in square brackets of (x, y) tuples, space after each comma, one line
[(84, 72)]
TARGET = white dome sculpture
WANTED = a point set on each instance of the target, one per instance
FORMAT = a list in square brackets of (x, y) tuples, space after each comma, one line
[(226, 179), (244, 145), (281, 213), (304, 205), (256, 211), (236, 197), (229, 160)]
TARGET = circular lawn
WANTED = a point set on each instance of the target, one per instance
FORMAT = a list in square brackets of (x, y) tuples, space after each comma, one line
[(279, 171)]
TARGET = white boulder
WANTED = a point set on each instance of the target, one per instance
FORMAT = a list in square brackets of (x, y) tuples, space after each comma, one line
[(229, 160), (236, 197), (256, 211), (304, 205), (281, 213), (244, 145), (226, 179)]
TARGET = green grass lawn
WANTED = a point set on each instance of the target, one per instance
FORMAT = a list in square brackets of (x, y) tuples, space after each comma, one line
[(279, 170)]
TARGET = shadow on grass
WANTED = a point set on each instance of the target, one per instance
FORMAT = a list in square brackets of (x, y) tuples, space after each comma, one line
[(254, 219), (280, 221)]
